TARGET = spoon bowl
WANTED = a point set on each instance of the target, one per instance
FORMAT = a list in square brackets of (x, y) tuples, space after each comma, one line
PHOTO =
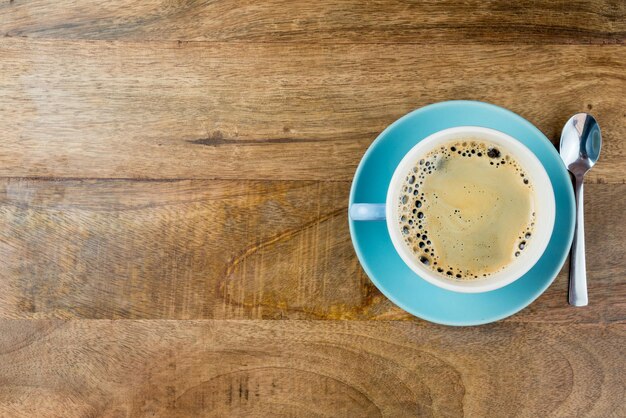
[(580, 143)]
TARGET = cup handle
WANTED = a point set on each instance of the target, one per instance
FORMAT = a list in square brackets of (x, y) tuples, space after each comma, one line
[(367, 212)]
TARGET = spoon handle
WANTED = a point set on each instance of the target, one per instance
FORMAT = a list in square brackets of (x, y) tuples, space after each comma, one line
[(578, 271)]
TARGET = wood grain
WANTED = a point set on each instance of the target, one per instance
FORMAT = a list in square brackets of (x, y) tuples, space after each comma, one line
[(304, 368), (231, 249), (197, 110), (539, 21), (185, 166)]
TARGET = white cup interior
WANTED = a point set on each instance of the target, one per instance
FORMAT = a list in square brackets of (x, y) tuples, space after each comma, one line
[(544, 208)]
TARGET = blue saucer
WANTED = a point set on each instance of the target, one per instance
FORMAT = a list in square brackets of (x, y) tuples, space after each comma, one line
[(385, 267)]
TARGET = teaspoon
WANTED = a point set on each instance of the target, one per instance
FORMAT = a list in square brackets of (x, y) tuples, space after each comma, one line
[(580, 148)]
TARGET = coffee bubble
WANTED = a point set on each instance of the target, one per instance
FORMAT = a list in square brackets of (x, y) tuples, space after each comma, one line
[(493, 152)]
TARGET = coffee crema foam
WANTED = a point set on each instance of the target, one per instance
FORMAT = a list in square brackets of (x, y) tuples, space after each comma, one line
[(466, 210)]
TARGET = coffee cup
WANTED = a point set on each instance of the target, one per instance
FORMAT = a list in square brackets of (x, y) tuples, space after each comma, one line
[(530, 167)]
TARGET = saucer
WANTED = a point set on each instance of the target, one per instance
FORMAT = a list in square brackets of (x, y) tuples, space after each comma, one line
[(394, 278)]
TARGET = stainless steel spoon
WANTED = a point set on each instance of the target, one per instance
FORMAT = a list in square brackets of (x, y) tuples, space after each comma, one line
[(580, 148)]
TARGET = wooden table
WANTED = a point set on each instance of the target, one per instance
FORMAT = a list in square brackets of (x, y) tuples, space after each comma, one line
[(175, 177)]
